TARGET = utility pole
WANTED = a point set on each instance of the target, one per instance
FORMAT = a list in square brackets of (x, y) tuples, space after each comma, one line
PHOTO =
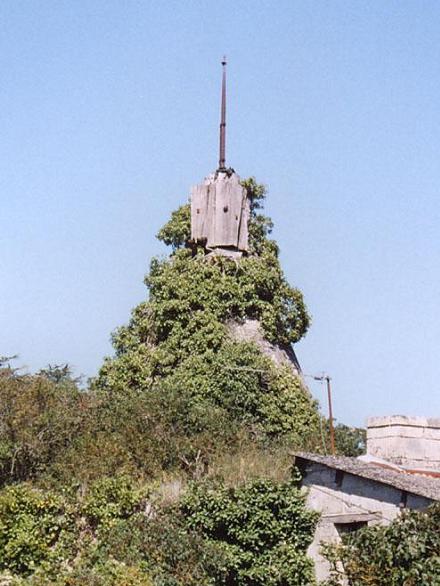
[(327, 379), (330, 415)]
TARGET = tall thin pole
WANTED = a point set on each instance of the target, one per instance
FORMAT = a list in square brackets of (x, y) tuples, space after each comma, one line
[(330, 416), (222, 158), (327, 379)]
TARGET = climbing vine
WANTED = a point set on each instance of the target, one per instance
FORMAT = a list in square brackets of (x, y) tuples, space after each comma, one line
[(262, 529)]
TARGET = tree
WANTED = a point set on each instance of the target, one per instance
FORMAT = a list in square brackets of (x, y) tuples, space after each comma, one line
[(60, 373), (39, 419), (350, 441)]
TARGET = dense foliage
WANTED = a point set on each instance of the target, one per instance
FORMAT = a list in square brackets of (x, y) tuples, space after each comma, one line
[(48, 538), (405, 553), (262, 529), (39, 419), (179, 340), (32, 526), (86, 472), (254, 534), (177, 231), (350, 441)]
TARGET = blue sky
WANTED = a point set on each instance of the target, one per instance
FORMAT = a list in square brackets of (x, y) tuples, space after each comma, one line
[(109, 112)]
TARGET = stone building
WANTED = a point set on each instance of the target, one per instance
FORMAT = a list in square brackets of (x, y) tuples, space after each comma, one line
[(372, 489)]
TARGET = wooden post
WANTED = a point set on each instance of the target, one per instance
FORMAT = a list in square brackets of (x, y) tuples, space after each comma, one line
[(330, 416)]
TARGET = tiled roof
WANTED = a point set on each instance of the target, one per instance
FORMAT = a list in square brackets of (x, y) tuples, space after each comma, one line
[(414, 483)]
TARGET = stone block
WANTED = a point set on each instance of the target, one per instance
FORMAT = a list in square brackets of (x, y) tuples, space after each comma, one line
[(413, 442)]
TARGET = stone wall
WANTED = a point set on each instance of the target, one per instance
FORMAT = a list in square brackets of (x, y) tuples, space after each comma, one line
[(249, 330), (411, 442)]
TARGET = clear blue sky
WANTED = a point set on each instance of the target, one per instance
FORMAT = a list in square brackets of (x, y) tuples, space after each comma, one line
[(109, 112)]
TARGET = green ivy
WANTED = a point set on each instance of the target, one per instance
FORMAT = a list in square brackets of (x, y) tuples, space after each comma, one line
[(108, 573), (180, 398), (262, 528), (177, 231), (178, 338)]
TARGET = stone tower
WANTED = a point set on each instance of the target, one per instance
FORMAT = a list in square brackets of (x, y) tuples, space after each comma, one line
[(220, 206)]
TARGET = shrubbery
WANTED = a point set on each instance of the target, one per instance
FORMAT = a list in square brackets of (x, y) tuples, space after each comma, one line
[(180, 401), (254, 534), (35, 528), (111, 499), (404, 553), (39, 419), (262, 529)]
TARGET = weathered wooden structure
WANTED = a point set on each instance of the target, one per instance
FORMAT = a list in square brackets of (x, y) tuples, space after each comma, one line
[(220, 213), (220, 207)]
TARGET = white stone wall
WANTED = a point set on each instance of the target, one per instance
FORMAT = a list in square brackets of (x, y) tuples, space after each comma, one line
[(411, 442)]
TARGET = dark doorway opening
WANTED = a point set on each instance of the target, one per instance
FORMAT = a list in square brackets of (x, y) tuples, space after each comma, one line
[(343, 528)]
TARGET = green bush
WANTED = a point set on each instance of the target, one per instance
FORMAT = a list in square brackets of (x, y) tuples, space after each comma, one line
[(350, 441), (256, 533), (109, 573), (110, 499), (262, 528), (35, 527), (404, 553), (177, 341), (39, 420), (163, 547)]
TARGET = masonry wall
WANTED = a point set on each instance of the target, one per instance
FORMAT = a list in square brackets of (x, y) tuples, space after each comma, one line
[(411, 442)]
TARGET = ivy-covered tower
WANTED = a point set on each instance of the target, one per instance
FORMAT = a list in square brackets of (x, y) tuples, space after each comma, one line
[(220, 206), (216, 331)]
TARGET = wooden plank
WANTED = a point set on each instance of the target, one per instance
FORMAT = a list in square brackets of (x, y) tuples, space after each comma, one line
[(243, 232), (199, 212)]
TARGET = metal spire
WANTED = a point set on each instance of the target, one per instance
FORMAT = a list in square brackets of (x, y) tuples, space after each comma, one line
[(222, 159)]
